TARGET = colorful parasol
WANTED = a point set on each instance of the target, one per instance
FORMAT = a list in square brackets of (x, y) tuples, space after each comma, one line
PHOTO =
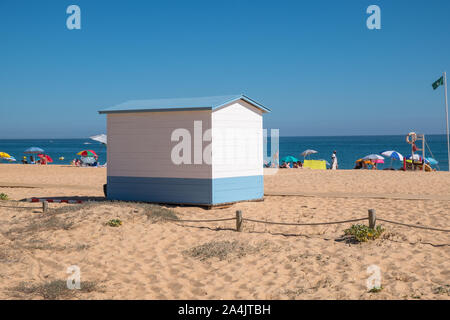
[(88, 153), (4, 155), (46, 157), (34, 150)]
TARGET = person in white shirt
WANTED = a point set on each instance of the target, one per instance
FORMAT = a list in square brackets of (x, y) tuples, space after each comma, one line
[(334, 164)]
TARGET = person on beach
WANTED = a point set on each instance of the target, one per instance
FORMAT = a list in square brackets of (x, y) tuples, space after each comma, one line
[(334, 164), (32, 160)]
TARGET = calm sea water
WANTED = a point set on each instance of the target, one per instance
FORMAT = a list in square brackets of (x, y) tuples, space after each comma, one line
[(352, 148), (348, 148), (55, 148)]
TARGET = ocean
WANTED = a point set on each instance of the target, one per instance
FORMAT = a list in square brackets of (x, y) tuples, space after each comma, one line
[(348, 148)]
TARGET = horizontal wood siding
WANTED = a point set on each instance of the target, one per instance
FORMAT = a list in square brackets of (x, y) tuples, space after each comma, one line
[(237, 148), (139, 144)]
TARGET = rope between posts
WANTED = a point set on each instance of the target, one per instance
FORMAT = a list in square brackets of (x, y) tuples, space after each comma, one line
[(214, 220), (312, 223), (304, 224), (412, 226)]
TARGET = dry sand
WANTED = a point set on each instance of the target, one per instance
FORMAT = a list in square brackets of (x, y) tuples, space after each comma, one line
[(147, 258)]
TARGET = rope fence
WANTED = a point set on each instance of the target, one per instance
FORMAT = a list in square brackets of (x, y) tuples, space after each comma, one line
[(239, 221), (213, 220), (371, 218), (413, 226), (303, 224)]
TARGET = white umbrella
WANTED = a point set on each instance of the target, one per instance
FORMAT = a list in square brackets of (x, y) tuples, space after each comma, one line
[(308, 152), (100, 138), (373, 157), (393, 155)]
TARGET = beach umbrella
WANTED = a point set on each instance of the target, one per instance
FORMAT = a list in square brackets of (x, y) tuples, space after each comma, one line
[(46, 157), (34, 150), (289, 159), (4, 155), (11, 159), (100, 138), (393, 155), (87, 153), (431, 161), (308, 152), (373, 157)]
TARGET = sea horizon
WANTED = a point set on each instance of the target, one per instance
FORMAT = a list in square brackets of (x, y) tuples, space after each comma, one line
[(281, 136), (349, 148)]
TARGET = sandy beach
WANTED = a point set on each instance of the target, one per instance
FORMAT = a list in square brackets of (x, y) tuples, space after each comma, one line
[(150, 258)]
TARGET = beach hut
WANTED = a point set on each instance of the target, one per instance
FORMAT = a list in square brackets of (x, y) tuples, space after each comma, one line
[(204, 151)]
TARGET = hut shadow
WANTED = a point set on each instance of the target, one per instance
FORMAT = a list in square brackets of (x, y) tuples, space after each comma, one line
[(75, 198)]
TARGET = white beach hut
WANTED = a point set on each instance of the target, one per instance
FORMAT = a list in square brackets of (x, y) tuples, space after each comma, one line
[(204, 151)]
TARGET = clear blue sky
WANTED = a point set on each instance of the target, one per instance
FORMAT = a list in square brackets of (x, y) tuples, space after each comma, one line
[(314, 63)]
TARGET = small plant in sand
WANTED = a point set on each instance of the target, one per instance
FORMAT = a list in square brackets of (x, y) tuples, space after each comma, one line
[(363, 233), (114, 223), (376, 289), (3, 196)]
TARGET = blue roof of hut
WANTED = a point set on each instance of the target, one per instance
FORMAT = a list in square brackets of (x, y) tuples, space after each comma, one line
[(180, 104)]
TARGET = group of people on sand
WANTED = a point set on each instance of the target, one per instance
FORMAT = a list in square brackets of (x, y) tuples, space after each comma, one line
[(365, 164), (42, 160), (299, 164), (79, 163), (293, 165)]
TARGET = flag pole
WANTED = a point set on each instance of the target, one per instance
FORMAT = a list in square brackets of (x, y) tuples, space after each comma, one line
[(446, 118)]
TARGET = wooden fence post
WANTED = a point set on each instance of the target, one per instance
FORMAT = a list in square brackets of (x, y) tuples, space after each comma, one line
[(238, 220), (44, 206), (372, 218)]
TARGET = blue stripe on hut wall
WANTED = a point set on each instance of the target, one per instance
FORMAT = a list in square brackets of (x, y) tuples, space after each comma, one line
[(185, 190), (237, 189)]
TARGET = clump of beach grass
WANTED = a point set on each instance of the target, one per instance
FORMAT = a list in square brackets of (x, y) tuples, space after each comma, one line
[(52, 290), (69, 208), (222, 250), (363, 233), (156, 213), (444, 289), (37, 244), (114, 223), (4, 196), (42, 224)]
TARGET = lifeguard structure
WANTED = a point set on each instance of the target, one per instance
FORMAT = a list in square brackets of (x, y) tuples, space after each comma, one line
[(416, 162)]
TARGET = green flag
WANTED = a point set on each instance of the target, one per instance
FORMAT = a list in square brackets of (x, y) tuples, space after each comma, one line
[(438, 82)]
